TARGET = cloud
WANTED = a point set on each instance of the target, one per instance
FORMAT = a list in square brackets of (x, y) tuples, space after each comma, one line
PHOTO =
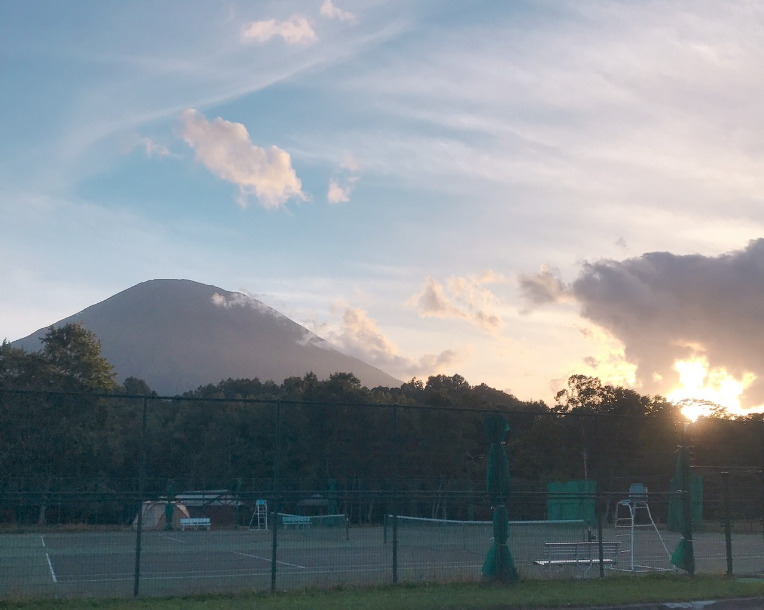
[(295, 30), (669, 131), (464, 298), (665, 308), (341, 185), (337, 193), (340, 189), (225, 149), (542, 288), (350, 164), (238, 299), (151, 147), (330, 11), (358, 335)]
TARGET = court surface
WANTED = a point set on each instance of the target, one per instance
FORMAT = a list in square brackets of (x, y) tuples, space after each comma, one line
[(97, 564)]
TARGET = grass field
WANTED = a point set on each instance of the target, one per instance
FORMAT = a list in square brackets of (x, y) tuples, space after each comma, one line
[(618, 590)]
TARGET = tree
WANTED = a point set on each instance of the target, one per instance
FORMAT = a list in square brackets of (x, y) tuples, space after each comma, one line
[(442, 390), (54, 435), (137, 387), (19, 369), (73, 355)]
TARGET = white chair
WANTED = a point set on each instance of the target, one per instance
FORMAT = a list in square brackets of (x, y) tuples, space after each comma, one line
[(259, 520), (627, 514), (637, 501)]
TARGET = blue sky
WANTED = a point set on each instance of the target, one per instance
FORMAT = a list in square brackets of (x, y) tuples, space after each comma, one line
[(512, 191)]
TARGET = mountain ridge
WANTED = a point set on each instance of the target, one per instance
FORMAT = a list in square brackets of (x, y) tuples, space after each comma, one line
[(178, 334)]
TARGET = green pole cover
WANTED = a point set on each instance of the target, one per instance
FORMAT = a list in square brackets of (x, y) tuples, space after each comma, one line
[(498, 564), (683, 556)]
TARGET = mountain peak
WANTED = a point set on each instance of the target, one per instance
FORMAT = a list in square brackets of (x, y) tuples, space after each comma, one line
[(179, 334)]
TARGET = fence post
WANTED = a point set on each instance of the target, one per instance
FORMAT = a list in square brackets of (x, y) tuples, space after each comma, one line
[(277, 494), (686, 504), (761, 472), (395, 494), (598, 504), (727, 521), (141, 490)]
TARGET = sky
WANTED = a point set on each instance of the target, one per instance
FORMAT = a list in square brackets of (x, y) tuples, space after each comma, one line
[(515, 192)]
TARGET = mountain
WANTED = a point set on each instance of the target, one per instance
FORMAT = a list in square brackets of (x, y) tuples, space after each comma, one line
[(178, 334)]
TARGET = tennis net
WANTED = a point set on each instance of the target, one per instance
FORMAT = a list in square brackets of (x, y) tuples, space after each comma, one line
[(315, 526), (525, 537)]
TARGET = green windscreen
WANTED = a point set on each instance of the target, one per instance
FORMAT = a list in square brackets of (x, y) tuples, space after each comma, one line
[(571, 501)]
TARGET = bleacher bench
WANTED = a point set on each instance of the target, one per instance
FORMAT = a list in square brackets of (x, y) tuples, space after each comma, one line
[(579, 554), (195, 522), (295, 521)]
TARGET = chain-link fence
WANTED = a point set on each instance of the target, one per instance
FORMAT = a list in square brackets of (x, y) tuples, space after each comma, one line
[(144, 495)]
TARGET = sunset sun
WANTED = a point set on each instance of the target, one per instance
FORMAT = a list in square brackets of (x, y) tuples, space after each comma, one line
[(700, 385)]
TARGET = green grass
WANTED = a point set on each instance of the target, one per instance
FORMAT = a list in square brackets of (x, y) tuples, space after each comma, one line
[(525, 594)]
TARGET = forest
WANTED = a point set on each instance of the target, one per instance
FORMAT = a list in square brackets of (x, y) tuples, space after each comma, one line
[(66, 425)]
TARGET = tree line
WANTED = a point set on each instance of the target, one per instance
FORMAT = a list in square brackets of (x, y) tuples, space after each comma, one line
[(66, 422)]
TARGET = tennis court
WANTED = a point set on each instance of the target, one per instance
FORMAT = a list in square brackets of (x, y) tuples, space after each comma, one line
[(63, 564), (101, 564), (74, 564)]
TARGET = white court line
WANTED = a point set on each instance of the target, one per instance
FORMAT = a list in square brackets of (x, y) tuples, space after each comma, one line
[(239, 574), (50, 565), (175, 539), (283, 563)]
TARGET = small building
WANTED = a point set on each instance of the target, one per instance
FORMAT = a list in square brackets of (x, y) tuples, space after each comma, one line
[(220, 505)]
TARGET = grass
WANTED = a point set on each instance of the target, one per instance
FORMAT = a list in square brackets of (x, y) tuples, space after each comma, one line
[(615, 590)]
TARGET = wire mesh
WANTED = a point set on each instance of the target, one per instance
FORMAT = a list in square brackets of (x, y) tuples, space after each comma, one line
[(331, 477)]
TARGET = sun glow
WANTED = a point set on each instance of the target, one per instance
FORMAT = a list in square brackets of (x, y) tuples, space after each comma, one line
[(701, 385)]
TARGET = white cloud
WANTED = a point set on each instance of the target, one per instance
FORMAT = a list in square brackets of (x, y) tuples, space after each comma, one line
[(464, 298), (337, 193), (340, 189), (341, 185), (579, 129), (225, 149), (358, 335), (151, 147), (330, 11), (237, 299), (351, 164), (295, 30)]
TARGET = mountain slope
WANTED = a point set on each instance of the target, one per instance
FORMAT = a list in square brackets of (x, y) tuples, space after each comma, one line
[(179, 334)]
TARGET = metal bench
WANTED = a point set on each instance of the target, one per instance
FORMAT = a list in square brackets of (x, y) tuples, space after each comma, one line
[(579, 554), (195, 522), (295, 521)]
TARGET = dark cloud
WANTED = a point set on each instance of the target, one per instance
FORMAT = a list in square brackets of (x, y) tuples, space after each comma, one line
[(591, 361), (542, 288), (665, 307)]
